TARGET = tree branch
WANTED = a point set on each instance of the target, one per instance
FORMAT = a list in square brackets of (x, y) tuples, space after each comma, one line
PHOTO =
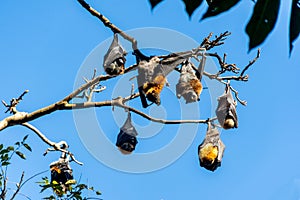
[(119, 102), (108, 24), (251, 63), (56, 146)]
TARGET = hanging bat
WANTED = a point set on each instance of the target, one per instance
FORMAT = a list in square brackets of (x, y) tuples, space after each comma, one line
[(62, 174), (126, 140), (211, 150), (114, 59), (188, 86), (152, 77), (226, 110)]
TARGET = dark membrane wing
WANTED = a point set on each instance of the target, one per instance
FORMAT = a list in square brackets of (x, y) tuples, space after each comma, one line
[(115, 56), (128, 127), (126, 139)]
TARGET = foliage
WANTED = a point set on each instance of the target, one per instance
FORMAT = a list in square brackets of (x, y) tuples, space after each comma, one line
[(261, 23), (6, 155), (75, 190)]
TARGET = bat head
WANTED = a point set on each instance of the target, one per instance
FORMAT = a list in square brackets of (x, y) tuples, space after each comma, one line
[(115, 68), (190, 97), (154, 97), (229, 122)]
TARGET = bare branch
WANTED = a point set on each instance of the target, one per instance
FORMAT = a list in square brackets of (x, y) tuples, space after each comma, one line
[(37, 174), (18, 186), (221, 80), (94, 81), (13, 103), (41, 136), (108, 24), (56, 146), (207, 44), (224, 66), (243, 102), (251, 63), (4, 190), (119, 102)]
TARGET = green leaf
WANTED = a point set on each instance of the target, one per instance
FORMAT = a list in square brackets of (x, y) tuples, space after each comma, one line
[(5, 163), (1, 146), (154, 3), (50, 197), (25, 138), (27, 147), (216, 7), (191, 6), (10, 148), (98, 193), (4, 157), (4, 151), (17, 143), (91, 188), (262, 21), (294, 23), (21, 155), (44, 187), (82, 186)]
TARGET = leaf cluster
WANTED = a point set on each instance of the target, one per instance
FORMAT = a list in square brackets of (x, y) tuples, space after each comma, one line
[(75, 192), (262, 22)]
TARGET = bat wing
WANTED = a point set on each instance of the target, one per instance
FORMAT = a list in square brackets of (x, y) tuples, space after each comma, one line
[(128, 127), (146, 70), (232, 106), (146, 75), (221, 146), (169, 64), (114, 52), (201, 68)]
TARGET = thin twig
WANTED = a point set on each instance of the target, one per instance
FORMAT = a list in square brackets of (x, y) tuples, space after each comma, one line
[(251, 63), (13, 103), (21, 185), (18, 186), (3, 192), (221, 80), (236, 94)]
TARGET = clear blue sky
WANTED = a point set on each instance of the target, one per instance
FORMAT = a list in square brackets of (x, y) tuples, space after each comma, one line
[(43, 44)]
